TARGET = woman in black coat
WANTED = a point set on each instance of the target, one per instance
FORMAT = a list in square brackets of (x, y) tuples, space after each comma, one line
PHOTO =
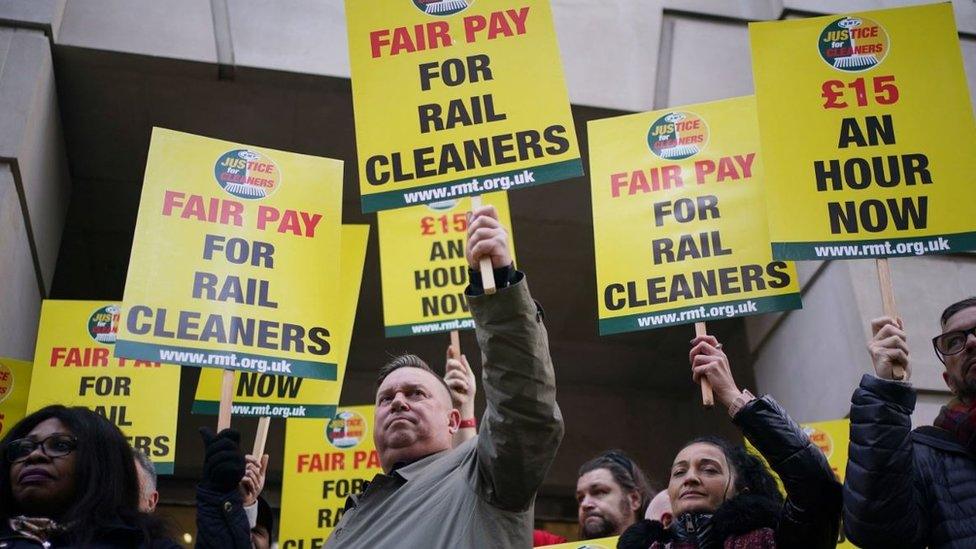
[(69, 480), (724, 497)]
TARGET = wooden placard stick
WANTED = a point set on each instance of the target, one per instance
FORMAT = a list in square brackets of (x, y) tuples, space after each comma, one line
[(487, 273), (888, 302), (708, 400), (456, 342), (261, 437), (226, 400)]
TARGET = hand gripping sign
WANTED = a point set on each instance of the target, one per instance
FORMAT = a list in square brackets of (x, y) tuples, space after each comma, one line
[(678, 219), (456, 98), (868, 141), (267, 395), (74, 366), (423, 267)]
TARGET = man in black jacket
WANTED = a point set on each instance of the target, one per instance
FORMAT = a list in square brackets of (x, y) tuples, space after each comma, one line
[(916, 488)]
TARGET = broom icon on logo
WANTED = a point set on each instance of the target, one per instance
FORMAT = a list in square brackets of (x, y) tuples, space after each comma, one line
[(854, 60), (678, 150), (439, 6)]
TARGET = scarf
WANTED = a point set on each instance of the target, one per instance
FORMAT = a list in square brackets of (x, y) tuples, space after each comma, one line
[(960, 420), (40, 530)]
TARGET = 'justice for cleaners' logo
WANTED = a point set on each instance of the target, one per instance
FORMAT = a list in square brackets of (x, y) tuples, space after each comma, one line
[(346, 430), (677, 135), (442, 7), (247, 174), (853, 44), (103, 324)]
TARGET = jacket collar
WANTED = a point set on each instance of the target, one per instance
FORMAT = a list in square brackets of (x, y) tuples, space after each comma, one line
[(939, 439)]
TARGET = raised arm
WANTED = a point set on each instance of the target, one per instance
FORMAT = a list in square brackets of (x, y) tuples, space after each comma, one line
[(522, 426), (811, 514), (883, 502)]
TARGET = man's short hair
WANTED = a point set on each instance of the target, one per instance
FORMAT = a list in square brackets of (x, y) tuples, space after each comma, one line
[(956, 307), (626, 473), (147, 465), (407, 361)]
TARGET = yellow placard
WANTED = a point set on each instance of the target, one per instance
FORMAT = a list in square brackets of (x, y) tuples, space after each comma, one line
[(423, 267), (455, 98), (74, 366), (678, 218), (15, 380), (265, 395), (325, 461), (602, 543), (235, 259), (867, 134)]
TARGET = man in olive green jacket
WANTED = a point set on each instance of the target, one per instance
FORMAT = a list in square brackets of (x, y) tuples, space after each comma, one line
[(480, 494)]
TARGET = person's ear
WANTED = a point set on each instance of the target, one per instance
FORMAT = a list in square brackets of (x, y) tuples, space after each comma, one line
[(454, 420), (635, 501)]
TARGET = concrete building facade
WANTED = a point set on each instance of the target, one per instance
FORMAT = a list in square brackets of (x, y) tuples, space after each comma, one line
[(82, 82)]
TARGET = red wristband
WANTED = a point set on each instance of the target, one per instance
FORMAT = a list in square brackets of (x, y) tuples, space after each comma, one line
[(470, 423)]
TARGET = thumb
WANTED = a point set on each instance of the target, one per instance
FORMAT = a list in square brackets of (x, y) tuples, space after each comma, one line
[(264, 464), (467, 367), (207, 434)]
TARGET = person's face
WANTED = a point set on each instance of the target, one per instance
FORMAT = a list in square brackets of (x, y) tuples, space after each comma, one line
[(959, 374), (260, 537), (148, 496), (42, 485), (604, 508), (701, 479), (414, 417)]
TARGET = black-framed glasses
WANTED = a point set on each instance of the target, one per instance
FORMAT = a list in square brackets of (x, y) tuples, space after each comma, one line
[(951, 343), (56, 445)]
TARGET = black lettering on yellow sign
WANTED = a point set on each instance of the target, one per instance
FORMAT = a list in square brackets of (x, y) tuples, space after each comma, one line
[(468, 111), (310, 543), (695, 285), (264, 385), (447, 250), (873, 215), (447, 304), (329, 517)]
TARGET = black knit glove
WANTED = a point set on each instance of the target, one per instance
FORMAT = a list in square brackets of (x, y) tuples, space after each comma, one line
[(223, 462), (641, 535)]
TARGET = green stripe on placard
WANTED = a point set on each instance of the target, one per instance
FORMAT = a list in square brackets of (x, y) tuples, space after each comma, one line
[(698, 313), (878, 247), (308, 411), (424, 328), (227, 360), (546, 173)]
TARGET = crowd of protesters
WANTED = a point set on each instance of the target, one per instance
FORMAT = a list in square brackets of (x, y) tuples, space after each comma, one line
[(72, 479)]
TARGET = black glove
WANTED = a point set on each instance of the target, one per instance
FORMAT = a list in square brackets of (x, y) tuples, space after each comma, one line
[(223, 462), (642, 534)]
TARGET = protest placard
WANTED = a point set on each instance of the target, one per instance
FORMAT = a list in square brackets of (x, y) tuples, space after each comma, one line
[(867, 134), (423, 267), (455, 98), (678, 219), (267, 395), (74, 366), (602, 543), (235, 259), (15, 379), (325, 461)]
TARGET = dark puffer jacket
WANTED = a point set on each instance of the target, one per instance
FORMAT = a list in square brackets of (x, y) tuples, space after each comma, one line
[(905, 488), (810, 517)]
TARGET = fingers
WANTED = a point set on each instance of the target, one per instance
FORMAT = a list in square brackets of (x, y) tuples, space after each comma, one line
[(705, 345), (888, 331), (264, 464), (467, 367), (893, 343), (878, 323), (485, 216)]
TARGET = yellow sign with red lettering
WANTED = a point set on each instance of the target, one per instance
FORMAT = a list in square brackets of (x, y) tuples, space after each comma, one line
[(15, 379), (678, 218), (325, 461), (266, 395), (423, 267), (867, 132), (602, 543), (455, 98), (235, 259), (74, 366)]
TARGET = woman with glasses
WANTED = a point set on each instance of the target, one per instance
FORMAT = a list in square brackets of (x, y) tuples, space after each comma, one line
[(70, 481), (914, 487), (723, 496)]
